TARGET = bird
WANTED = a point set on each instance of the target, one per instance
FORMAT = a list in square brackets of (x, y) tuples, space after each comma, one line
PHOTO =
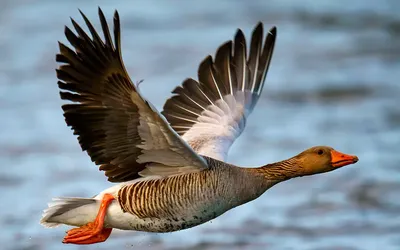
[(168, 169)]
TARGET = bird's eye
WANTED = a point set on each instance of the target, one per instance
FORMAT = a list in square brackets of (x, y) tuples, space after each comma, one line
[(320, 152)]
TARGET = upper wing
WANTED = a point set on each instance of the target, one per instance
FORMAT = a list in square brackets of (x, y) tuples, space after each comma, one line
[(211, 113), (118, 128)]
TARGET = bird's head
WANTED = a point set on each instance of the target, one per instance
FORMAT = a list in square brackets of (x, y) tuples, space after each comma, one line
[(322, 159)]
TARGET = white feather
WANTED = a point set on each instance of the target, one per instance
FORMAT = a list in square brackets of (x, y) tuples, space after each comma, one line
[(219, 125)]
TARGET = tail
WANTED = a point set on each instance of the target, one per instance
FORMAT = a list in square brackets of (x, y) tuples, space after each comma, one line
[(70, 211)]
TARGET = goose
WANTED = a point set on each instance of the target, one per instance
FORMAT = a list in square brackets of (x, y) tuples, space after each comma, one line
[(168, 169)]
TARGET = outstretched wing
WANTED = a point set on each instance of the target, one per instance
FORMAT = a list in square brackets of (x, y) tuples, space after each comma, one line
[(211, 113), (119, 129)]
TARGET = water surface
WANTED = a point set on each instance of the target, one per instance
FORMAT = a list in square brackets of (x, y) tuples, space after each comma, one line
[(333, 81)]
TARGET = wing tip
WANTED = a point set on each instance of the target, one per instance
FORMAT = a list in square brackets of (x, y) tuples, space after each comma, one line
[(239, 35), (116, 15), (100, 11), (273, 31)]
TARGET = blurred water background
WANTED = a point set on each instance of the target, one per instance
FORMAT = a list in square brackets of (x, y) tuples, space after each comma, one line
[(334, 80)]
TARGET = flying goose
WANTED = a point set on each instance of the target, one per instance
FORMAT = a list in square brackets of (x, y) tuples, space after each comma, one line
[(168, 168)]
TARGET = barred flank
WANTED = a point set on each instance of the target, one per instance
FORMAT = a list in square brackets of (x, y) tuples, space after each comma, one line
[(167, 197)]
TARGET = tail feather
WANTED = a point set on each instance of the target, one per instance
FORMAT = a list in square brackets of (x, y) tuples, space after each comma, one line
[(59, 206)]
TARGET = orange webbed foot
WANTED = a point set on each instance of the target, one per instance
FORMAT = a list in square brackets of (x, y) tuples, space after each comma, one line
[(87, 235), (92, 232)]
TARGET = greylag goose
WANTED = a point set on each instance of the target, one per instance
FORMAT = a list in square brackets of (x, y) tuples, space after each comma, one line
[(169, 168)]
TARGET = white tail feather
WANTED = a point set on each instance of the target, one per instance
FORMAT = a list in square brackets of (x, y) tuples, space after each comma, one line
[(70, 211)]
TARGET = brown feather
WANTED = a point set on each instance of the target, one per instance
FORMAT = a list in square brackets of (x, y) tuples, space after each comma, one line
[(103, 114)]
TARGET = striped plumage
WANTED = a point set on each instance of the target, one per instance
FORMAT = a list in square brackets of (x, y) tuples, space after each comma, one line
[(170, 172), (187, 200)]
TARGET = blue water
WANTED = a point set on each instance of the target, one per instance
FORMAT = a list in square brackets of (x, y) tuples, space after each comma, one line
[(333, 81)]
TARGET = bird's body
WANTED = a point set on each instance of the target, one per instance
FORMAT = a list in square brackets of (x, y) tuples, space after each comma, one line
[(170, 167), (176, 202)]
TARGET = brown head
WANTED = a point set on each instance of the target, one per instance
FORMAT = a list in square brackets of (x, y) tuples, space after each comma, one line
[(322, 159)]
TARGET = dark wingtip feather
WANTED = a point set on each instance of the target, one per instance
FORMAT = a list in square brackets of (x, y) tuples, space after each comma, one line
[(222, 66), (105, 28), (67, 30), (61, 58), (207, 61), (258, 30), (72, 20), (117, 24), (239, 35), (224, 48), (117, 32), (79, 30), (71, 37), (116, 15), (258, 26), (60, 83), (273, 31), (100, 12), (266, 55), (84, 17)]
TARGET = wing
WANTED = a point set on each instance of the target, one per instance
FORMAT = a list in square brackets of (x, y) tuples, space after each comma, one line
[(211, 113), (116, 126)]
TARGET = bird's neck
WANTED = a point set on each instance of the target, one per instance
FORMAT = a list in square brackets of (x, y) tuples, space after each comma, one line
[(250, 183), (279, 171)]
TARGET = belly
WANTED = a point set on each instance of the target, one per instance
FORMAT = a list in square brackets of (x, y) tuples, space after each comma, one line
[(117, 218)]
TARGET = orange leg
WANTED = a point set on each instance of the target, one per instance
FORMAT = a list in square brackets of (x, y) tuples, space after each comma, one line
[(93, 232)]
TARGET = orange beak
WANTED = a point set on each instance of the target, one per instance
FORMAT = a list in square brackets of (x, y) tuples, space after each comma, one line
[(339, 159)]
